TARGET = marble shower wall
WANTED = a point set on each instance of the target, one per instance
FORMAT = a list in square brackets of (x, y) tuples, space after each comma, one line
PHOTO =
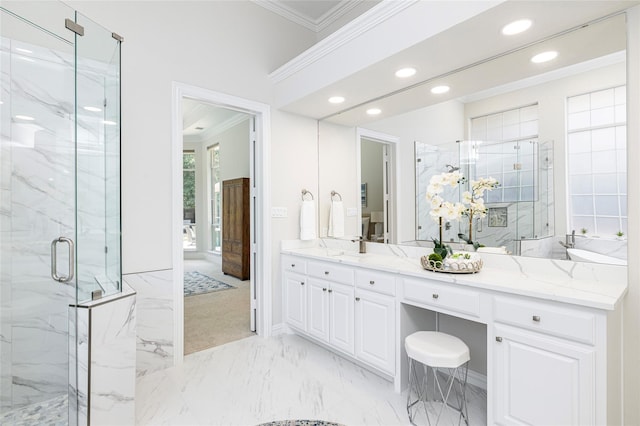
[(38, 205), (106, 354), (155, 344)]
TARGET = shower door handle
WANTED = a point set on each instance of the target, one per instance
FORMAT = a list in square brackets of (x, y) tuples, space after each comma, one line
[(54, 259)]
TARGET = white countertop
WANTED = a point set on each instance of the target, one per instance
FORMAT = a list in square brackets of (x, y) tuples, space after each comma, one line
[(583, 284)]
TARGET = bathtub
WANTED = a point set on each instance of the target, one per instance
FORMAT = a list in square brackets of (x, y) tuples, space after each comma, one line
[(593, 257)]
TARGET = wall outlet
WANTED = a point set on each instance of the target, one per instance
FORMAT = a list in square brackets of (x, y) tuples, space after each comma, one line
[(278, 212), (352, 211)]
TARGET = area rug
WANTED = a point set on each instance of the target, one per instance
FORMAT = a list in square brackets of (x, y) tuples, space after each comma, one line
[(300, 423), (197, 283)]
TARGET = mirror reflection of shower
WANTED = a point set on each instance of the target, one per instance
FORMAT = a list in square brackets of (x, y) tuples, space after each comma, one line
[(519, 211)]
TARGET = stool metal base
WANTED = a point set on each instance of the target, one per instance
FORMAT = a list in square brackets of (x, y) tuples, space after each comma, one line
[(444, 382)]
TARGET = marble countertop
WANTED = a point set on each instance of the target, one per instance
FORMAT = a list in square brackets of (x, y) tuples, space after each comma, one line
[(583, 284)]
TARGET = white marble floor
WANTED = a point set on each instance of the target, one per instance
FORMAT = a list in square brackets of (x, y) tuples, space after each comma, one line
[(257, 380)]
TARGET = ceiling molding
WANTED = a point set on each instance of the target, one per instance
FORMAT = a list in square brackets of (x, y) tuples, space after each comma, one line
[(316, 25), (363, 23)]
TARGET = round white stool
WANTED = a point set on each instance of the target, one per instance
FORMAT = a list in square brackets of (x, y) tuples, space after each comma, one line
[(445, 361)]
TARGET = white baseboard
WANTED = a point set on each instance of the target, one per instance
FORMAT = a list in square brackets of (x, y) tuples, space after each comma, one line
[(280, 329), (477, 379)]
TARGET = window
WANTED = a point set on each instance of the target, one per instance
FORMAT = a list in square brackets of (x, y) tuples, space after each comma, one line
[(596, 152), (215, 197), (504, 146), (189, 199)]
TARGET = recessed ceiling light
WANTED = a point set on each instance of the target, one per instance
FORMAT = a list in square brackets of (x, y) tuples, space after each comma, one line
[(20, 49), (110, 123), (405, 72), (24, 117), (374, 111), (544, 57), (336, 99), (92, 109), (440, 89), (516, 27)]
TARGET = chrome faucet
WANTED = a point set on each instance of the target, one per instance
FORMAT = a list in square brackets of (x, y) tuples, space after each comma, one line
[(569, 242), (363, 244)]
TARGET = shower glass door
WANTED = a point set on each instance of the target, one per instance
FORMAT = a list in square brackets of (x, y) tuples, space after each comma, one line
[(98, 160), (37, 217)]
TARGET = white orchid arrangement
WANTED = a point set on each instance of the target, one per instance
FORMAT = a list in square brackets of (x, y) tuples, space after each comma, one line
[(474, 199), (439, 207), (472, 202)]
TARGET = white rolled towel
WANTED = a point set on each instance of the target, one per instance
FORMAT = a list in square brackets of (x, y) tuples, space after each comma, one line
[(308, 220), (336, 219)]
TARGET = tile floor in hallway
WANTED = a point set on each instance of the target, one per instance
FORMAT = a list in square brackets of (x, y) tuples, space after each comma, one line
[(257, 380)]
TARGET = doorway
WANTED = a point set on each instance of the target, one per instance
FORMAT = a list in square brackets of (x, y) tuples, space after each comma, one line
[(216, 154), (255, 117), (376, 175)]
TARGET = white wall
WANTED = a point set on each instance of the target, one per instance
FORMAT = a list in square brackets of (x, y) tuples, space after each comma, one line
[(229, 47), (294, 163), (234, 151)]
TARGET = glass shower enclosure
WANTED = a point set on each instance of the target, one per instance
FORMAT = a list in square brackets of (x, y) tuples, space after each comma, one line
[(60, 232)]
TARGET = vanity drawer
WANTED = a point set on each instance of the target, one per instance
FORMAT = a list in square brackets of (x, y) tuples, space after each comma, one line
[(443, 296), (294, 264), (331, 272), (546, 318), (376, 281)]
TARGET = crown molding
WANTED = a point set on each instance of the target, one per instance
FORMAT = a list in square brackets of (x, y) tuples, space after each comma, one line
[(315, 25), (363, 23)]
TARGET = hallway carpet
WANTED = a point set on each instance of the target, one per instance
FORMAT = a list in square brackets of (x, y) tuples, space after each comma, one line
[(212, 319)]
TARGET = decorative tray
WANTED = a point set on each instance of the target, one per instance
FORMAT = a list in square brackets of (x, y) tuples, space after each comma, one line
[(464, 266)]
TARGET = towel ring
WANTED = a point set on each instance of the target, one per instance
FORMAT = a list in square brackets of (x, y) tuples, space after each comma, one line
[(305, 192), (334, 193)]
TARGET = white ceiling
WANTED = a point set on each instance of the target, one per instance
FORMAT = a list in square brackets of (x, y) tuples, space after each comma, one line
[(202, 121)]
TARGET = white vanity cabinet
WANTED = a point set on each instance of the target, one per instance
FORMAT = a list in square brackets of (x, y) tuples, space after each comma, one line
[(375, 319), (553, 349), (355, 316), (544, 364), (294, 292), (330, 313)]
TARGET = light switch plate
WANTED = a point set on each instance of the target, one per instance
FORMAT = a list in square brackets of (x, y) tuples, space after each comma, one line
[(278, 212), (352, 211)]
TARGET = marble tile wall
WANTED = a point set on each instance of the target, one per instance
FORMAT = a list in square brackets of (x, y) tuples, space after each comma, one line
[(106, 355), (155, 295)]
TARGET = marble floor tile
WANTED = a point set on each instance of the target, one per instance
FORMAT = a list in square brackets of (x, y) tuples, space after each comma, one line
[(257, 380)]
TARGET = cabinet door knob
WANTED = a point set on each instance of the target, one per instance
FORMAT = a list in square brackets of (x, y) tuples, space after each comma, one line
[(326, 272), (372, 282), (302, 283), (498, 339), (357, 299), (293, 265), (536, 318), (330, 291), (435, 295)]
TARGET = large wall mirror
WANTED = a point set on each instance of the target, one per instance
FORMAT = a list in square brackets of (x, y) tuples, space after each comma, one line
[(553, 134)]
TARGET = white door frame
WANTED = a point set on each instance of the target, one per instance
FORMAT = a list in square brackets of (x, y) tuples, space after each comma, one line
[(261, 226), (394, 191)]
